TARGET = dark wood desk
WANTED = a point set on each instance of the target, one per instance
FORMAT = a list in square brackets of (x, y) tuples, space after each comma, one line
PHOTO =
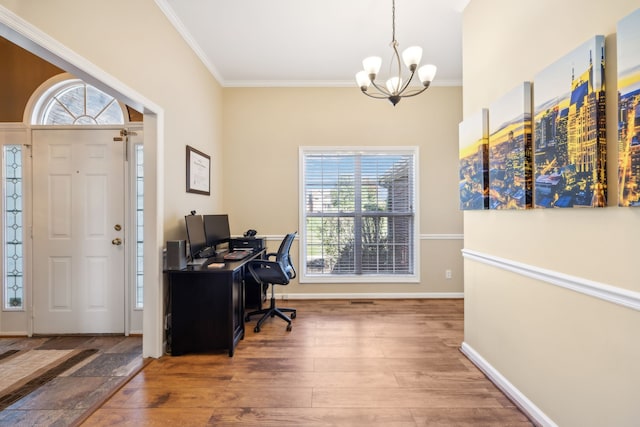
[(207, 306)]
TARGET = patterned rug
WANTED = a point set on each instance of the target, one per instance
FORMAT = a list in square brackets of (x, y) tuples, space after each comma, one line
[(23, 371), (60, 381)]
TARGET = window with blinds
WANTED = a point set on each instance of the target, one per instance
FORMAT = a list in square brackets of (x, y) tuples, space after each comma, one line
[(359, 212)]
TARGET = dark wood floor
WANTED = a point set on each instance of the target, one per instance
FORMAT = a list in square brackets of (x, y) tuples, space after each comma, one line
[(345, 363)]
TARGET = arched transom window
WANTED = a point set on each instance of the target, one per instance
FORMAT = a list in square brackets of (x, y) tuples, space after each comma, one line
[(73, 102)]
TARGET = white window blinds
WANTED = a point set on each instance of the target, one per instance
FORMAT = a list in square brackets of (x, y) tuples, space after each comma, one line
[(359, 212)]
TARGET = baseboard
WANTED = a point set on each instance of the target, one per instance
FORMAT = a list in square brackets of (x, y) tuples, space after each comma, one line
[(13, 334), (534, 413), (421, 295)]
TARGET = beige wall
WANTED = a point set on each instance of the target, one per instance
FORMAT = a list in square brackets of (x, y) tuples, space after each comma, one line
[(137, 51), (574, 356), (135, 43), (264, 127)]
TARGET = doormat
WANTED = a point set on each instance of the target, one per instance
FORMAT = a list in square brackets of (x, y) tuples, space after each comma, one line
[(22, 372)]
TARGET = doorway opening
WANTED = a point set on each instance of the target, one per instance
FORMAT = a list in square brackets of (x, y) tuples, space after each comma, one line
[(68, 104)]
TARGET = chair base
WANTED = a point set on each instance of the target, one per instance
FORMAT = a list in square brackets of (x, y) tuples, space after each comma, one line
[(272, 311)]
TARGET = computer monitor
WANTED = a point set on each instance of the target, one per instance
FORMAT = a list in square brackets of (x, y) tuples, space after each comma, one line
[(216, 230), (195, 234)]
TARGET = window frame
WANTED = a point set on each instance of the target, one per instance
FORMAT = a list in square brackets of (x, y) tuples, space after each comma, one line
[(305, 276), (54, 94)]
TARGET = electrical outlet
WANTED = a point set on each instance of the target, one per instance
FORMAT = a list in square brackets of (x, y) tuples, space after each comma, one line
[(447, 274)]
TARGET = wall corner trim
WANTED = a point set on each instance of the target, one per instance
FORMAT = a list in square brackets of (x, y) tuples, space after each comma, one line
[(534, 413), (613, 294)]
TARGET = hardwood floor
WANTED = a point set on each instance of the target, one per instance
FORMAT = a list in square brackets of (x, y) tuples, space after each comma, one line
[(345, 363)]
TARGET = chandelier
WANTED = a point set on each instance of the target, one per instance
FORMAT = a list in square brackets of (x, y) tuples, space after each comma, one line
[(396, 88)]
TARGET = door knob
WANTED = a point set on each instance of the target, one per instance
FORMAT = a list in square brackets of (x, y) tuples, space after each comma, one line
[(117, 241)]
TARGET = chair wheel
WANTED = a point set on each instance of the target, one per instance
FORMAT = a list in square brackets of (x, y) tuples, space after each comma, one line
[(289, 327), (256, 329), (293, 315), (247, 319)]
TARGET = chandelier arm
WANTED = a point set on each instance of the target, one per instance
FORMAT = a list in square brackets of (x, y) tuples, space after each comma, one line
[(376, 96), (406, 84), (415, 93), (396, 55), (380, 89)]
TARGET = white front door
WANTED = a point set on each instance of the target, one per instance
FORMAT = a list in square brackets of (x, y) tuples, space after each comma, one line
[(78, 231)]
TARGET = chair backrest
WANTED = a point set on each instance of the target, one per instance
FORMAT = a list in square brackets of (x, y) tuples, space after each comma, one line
[(283, 256), (277, 272)]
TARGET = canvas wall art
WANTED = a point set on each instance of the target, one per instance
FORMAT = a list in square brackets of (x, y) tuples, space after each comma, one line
[(473, 134), (510, 162), (569, 141), (629, 110)]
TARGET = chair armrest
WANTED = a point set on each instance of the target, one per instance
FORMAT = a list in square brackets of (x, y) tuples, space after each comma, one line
[(264, 271)]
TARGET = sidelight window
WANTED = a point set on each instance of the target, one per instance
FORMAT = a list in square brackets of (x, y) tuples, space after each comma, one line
[(13, 256)]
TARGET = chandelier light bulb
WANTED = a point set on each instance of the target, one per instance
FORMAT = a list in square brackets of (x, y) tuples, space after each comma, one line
[(362, 78), (426, 73), (394, 84), (412, 56), (372, 65)]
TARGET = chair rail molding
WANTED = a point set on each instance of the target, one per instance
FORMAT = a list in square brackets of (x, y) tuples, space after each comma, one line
[(613, 294), (372, 295), (442, 237)]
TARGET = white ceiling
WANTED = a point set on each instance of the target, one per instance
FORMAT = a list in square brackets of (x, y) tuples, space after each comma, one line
[(315, 42)]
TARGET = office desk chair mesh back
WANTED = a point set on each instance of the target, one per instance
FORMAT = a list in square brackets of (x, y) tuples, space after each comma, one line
[(277, 272)]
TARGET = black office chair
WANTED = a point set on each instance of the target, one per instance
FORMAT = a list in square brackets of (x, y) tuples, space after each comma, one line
[(277, 272)]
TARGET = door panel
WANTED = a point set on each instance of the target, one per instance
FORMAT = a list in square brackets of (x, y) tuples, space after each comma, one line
[(78, 268)]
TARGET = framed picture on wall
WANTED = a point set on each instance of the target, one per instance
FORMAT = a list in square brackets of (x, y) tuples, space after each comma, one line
[(510, 163), (473, 134), (569, 145), (629, 110), (198, 172)]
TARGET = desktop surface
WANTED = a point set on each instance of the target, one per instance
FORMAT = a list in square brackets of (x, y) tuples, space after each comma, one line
[(228, 261)]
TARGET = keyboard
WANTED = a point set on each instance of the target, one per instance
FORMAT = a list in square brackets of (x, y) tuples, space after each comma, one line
[(236, 255)]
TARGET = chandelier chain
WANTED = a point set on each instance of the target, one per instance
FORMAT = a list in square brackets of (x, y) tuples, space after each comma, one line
[(393, 22)]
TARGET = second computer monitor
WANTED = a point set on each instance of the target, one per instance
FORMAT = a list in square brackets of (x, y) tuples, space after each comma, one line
[(216, 229)]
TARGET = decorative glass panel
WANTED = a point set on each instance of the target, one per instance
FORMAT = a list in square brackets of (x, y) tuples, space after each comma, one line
[(13, 228), (139, 225), (78, 103), (56, 114)]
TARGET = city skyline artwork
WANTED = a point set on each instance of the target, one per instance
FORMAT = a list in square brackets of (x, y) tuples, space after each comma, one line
[(569, 142)]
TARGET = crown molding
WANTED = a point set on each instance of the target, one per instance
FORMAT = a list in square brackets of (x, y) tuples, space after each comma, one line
[(316, 83), (188, 38)]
